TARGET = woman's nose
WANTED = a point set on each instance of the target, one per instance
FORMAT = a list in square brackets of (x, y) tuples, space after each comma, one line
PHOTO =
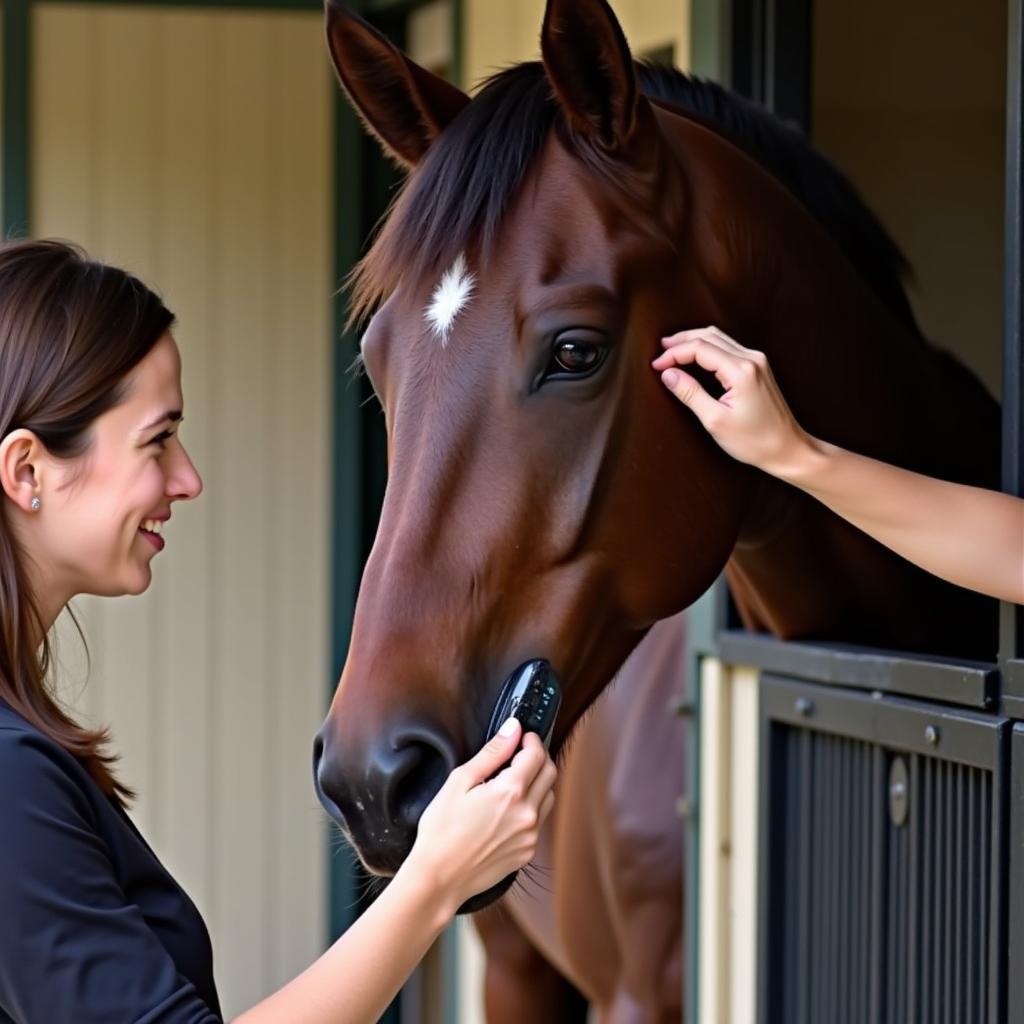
[(184, 482)]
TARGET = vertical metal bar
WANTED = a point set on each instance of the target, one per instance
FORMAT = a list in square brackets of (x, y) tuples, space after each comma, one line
[(854, 895), (806, 907), (928, 885), (795, 864), (830, 922), (878, 861), (959, 951), (985, 901), (874, 814), (15, 153), (816, 963), (1015, 872), (1000, 884), (970, 965), (850, 894), (839, 812), (949, 964), (907, 881), (938, 840), (916, 824)]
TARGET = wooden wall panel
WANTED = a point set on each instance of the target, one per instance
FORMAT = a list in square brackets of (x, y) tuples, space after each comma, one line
[(193, 147)]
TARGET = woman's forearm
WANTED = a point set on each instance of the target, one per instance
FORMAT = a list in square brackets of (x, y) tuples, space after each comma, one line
[(966, 535), (482, 825), (356, 979)]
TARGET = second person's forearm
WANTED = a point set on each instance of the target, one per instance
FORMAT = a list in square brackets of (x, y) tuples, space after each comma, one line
[(966, 535)]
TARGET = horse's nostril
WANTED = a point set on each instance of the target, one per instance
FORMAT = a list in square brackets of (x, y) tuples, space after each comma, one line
[(378, 791), (423, 766)]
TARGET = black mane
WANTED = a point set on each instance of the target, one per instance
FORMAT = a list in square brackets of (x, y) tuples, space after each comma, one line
[(459, 195), (781, 148)]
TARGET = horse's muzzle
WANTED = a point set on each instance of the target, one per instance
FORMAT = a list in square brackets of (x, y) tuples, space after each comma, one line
[(378, 793)]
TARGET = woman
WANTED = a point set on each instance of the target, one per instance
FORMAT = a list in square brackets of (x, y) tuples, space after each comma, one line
[(966, 535), (92, 927)]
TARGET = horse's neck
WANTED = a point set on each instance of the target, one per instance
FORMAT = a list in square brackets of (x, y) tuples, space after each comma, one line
[(855, 376), (799, 571)]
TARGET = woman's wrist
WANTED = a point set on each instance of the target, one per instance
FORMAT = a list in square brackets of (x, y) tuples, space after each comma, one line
[(430, 887), (805, 463)]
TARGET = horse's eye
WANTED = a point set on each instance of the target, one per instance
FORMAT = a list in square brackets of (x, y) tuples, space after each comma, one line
[(577, 353), (576, 357)]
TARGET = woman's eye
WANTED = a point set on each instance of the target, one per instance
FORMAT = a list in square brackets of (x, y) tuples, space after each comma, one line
[(161, 439), (577, 355)]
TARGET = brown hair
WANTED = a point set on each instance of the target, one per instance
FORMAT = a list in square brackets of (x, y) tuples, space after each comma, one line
[(71, 329)]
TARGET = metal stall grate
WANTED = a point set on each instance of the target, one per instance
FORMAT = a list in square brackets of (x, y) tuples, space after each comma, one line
[(881, 873)]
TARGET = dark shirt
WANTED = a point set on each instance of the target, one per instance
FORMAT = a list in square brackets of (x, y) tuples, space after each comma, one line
[(93, 930)]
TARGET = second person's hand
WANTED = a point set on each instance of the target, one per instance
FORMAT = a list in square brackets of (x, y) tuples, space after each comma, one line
[(751, 420), (479, 829)]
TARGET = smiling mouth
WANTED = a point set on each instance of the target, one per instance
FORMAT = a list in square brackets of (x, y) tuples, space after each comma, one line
[(151, 530)]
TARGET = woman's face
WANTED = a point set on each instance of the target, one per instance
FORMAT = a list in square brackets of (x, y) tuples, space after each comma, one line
[(100, 524)]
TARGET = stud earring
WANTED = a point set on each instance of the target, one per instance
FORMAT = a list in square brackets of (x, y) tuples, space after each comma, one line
[(35, 504)]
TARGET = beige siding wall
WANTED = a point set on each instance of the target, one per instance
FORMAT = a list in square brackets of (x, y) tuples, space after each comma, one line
[(192, 147), (501, 33)]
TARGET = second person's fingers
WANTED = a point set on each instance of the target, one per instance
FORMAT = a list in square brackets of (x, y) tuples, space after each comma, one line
[(690, 393), (712, 334), (706, 352), (727, 366)]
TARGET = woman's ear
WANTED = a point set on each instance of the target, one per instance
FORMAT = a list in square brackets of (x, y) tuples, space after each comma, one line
[(20, 458)]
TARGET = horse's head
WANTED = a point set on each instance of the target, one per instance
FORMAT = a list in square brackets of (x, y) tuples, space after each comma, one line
[(546, 497)]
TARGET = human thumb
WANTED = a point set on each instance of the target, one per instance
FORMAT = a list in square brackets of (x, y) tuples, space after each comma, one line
[(495, 753), (689, 392)]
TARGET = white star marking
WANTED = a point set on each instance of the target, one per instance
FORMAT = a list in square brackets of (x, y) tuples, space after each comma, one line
[(450, 297)]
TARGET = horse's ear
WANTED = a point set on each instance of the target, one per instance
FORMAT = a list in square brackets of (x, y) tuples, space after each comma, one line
[(588, 63), (404, 105)]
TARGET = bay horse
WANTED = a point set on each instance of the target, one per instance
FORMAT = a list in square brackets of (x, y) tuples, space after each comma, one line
[(547, 497)]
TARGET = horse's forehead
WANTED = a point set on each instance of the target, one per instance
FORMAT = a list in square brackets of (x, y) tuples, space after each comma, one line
[(560, 202), (558, 226)]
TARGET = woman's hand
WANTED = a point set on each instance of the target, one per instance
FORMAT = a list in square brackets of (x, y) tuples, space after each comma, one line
[(475, 832), (751, 421)]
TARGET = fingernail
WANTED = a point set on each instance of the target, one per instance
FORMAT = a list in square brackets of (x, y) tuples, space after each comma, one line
[(670, 377), (509, 727)]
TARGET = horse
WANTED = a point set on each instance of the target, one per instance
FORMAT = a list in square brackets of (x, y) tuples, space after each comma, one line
[(547, 497)]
